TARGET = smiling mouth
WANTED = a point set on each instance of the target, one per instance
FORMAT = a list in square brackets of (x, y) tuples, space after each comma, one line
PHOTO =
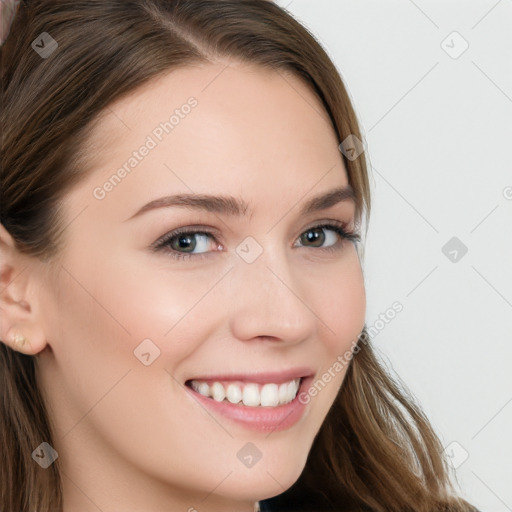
[(249, 394)]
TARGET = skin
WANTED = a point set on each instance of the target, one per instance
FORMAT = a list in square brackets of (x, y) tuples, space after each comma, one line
[(129, 436)]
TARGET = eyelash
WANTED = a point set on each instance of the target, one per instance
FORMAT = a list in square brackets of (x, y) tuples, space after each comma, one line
[(337, 227)]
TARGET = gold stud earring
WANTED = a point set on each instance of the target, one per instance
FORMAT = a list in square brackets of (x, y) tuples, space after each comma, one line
[(19, 341)]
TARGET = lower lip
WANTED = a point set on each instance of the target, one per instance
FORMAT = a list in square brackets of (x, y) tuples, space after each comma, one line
[(264, 419)]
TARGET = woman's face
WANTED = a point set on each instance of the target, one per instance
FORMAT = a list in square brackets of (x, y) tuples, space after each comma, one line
[(253, 296)]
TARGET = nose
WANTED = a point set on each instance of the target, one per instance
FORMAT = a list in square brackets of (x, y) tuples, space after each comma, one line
[(269, 301)]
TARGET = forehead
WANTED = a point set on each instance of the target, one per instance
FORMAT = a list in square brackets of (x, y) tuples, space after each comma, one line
[(243, 86), (216, 126)]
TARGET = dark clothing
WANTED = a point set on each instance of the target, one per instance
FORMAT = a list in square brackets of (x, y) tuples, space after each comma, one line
[(274, 505)]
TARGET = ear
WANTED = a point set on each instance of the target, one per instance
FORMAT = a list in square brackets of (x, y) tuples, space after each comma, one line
[(20, 328)]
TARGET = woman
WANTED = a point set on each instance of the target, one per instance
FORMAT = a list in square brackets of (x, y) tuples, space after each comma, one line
[(182, 308)]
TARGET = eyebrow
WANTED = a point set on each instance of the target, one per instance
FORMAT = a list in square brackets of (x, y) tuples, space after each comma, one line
[(229, 205)]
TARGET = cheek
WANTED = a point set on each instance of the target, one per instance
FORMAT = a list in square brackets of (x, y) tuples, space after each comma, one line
[(340, 303), (99, 387), (131, 300)]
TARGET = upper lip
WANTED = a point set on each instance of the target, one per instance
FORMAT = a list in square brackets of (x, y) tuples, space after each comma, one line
[(276, 377)]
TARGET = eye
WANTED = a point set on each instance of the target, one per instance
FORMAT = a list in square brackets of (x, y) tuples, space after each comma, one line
[(186, 243), (335, 237), (317, 236)]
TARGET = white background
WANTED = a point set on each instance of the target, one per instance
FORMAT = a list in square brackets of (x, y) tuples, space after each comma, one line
[(439, 132)]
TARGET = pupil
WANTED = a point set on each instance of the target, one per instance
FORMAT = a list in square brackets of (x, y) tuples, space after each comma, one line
[(315, 235), (184, 242)]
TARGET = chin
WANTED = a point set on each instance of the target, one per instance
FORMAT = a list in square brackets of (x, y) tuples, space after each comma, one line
[(265, 480)]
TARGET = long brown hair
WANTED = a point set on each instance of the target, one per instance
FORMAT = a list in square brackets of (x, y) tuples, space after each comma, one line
[(376, 450)]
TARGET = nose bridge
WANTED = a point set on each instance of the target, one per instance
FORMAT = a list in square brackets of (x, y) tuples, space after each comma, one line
[(267, 297)]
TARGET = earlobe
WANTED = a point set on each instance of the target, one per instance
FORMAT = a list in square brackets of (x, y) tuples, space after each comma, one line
[(18, 341), (19, 325)]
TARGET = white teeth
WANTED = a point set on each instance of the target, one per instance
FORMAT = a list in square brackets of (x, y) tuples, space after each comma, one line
[(283, 392), (250, 394), (204, 389), (293, 387), (269, 395), (218, 392), (234, 393)]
